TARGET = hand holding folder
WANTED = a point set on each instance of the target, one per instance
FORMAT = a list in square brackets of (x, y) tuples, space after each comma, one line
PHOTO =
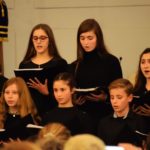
[(92, 94)]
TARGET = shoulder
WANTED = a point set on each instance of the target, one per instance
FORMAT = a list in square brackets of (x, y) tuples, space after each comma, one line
[(60, 61), (110, 57), (134, 115), (24, 64)]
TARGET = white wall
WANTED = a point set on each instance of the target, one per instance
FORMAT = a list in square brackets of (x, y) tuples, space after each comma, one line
[(125, 24)]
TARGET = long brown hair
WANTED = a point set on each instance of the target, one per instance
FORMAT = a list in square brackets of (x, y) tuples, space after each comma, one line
[(25, 104), (86, 26), (91, 25), (140, 79), (52, 47)]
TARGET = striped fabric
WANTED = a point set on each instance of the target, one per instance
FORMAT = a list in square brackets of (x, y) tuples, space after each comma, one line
[(3, 21)]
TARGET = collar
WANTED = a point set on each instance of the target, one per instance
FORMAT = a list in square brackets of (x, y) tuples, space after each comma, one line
[(124, 117)]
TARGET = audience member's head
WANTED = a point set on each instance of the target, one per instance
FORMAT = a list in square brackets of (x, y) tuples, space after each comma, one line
[(84, 142), (50, 143), (53, 136), (57, 130)]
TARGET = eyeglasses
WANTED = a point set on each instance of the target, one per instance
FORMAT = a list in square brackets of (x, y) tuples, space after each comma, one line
[(41, 38)]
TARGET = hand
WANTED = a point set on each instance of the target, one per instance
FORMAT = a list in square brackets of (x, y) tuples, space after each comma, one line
[(36, 84), (91, 97), (142, 110), (129, 146), (97, 97), (80, 100)]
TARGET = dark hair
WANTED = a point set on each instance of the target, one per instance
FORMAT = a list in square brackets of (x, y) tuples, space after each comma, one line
[(91, 25), (52, 48), (140, 79), (67, 77)]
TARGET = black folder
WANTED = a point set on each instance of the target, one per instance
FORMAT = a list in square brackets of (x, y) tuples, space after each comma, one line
[(40, 73)]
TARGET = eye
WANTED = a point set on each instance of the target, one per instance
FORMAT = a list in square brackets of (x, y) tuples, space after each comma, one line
[(90, 37), (43, 37), (15, 92), (6, 92), (35, 38), (55, 90), (119, 97), (82, 37), (62, 89)]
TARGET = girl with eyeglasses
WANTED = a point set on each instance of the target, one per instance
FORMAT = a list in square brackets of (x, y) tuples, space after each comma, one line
[(42, 52)]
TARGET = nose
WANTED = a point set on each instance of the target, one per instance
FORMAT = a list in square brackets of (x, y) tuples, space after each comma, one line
[(86, 41), (38, 40), (10, 95), (58, 93), (114, 101)]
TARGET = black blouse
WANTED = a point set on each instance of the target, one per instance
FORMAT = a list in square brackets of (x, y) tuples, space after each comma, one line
[(96, 71), (15, 127), (75, 120)]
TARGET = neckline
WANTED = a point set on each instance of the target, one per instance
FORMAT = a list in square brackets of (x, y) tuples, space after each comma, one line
[(42, 64)]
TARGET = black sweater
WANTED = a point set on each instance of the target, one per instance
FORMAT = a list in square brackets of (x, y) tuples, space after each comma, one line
[(96, 71), (15, 127), (142, 98), (115, 130), (75, 120)]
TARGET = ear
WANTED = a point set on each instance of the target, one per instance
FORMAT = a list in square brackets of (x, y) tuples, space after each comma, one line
[(130, 98), (72, 90)]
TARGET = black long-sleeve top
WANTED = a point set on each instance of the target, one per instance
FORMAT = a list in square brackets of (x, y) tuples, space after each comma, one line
[(96, 71), (142, 98), (46, 102), (75, 120), (122, 129), (15, 127)]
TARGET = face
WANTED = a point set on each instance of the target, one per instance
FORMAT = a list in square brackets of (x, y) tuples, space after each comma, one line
[(62, 93), (40, 41), (11, 95), (145, 65), (88, 41), (120, 101)]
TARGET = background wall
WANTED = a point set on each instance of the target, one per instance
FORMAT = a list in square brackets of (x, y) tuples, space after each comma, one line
[(125, 24)]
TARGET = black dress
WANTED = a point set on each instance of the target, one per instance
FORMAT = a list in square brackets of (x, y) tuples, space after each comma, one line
[(45, 103), (75, 120), (96, 71), (142, 97), (15, 127), (116, 130)]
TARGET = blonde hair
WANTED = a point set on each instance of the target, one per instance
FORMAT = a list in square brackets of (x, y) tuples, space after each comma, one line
[(84, 142), (122, 83), (50, 143), (20, 145), (25, 104), (55, 130)]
